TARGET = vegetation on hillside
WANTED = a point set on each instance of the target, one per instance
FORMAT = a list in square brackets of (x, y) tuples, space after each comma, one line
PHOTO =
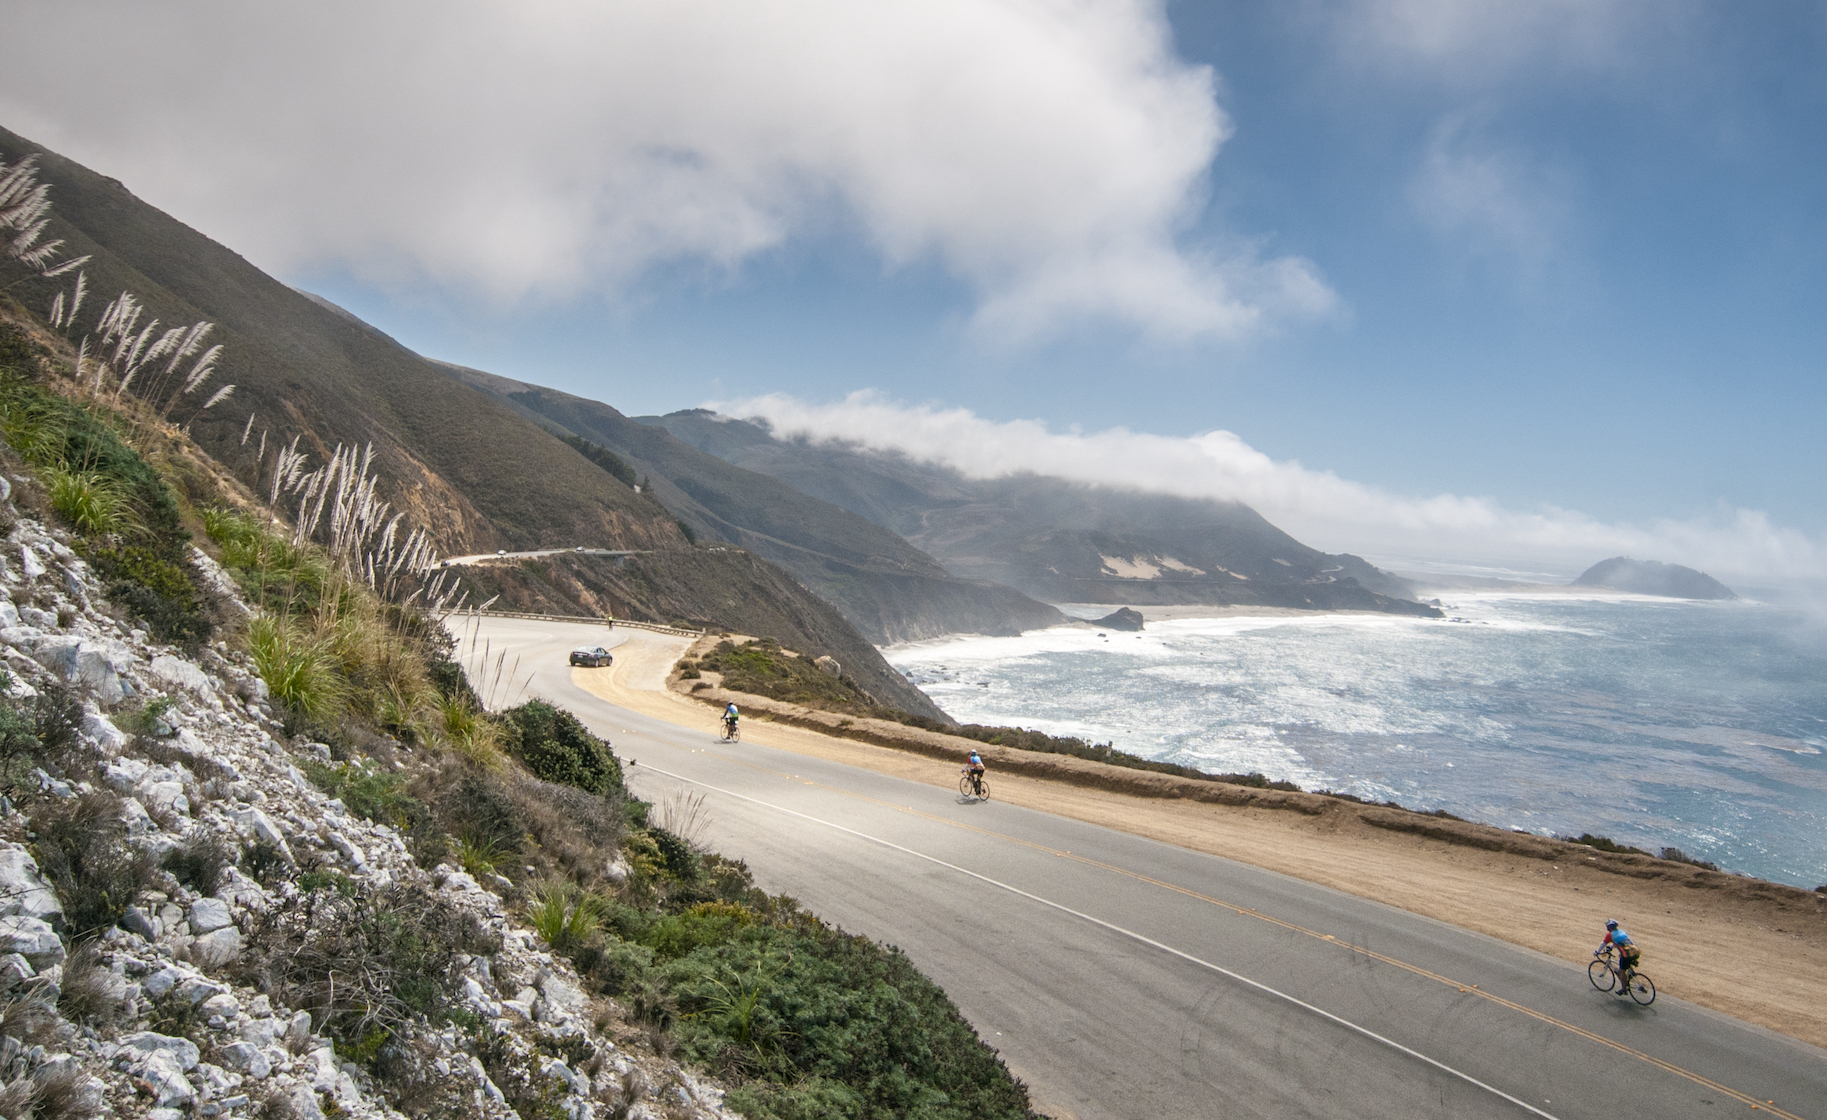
[(763, 668), (127, 522)]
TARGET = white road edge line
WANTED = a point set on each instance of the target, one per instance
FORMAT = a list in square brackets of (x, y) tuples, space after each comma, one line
[(1131, 934)]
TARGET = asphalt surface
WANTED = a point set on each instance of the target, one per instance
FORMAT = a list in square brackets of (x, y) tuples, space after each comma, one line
[(1121, 977)]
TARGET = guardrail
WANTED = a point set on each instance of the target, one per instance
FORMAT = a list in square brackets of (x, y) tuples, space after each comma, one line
[(600, 620)]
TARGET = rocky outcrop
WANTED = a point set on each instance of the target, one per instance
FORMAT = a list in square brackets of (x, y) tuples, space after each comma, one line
[(1651, 577), (1123, 618), (183, 1027)]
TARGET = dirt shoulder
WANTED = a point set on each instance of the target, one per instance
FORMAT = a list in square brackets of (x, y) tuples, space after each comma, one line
[(1745, 947)]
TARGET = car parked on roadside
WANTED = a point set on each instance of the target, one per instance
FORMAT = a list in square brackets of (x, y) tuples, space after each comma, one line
[(592, 657)]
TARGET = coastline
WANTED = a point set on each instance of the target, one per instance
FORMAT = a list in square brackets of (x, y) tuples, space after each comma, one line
[(1756, 951)]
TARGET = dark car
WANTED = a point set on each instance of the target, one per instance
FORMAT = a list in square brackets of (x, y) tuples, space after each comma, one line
[(593, 657)]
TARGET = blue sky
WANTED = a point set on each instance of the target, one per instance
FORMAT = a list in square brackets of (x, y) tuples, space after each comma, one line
[(1564, 264)]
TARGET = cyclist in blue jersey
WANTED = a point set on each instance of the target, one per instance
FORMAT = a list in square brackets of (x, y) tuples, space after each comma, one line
[(1628, 954)]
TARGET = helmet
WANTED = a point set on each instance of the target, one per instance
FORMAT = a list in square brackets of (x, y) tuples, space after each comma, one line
[(1611, 923)]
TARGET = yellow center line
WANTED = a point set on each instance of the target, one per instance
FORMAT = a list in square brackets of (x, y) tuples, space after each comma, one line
[(1292, 927)]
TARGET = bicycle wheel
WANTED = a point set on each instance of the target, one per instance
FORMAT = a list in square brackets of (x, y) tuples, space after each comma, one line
[(736, 733), (1642, 989), (964, 786), (983, 788), (1599, 972)]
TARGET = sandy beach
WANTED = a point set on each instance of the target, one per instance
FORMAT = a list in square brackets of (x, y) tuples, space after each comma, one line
[(1736, 946)]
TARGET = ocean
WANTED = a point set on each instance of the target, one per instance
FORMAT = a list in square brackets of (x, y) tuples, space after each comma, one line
[(1659, 723)]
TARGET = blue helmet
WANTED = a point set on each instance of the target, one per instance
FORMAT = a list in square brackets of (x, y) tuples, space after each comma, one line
[(1611, 923)]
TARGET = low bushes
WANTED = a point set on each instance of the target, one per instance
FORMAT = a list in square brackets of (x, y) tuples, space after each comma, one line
[(557, 748), (366, 963), (82, 851), (127, 520)]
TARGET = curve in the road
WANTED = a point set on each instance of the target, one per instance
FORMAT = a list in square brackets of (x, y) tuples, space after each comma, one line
[(1051, 977)]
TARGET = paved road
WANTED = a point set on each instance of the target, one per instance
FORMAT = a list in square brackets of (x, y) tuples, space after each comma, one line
[(485, 557), (1126, 978)]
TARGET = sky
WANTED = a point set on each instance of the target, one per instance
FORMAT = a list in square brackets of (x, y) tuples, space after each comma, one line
[(1512, 286)]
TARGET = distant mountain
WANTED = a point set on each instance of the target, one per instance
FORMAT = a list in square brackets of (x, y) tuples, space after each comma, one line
[(886, 587), (477, 474), (1651, 577), (1060, 541)]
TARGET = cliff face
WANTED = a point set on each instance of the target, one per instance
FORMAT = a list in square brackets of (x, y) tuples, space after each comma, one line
[(1060, 541), (1651, 577), (886, 587), (168, 1009)]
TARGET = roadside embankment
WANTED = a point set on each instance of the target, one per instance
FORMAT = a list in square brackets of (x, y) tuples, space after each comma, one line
[(1745, 947)]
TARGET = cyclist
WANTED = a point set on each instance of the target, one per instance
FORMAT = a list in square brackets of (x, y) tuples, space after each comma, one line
[(729, 721), (1628, 954), (975, 769)]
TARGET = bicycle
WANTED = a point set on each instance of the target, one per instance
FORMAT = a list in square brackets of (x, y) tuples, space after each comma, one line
[(732, 731), (1607, 975), (974, 785)]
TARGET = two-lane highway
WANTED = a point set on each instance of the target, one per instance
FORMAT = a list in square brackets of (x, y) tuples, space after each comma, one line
[(1121, 977)]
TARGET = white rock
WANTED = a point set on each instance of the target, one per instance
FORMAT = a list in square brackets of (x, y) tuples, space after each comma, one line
[(323, 1069), (125, 773), (139, 821), (29, 562), (166, 797), (262, 827), (9, 614), (107, 736), (139, 920), (180, 673), (562, 994), (225, 1005), (299, 1103), (14, 968), (218, 948), (143, 1043), (32, 938), (195, 989), (351, 852), (170, 1088), (208, 915), (261, 1032), (158, 983), (22, 889), (244, 1058)]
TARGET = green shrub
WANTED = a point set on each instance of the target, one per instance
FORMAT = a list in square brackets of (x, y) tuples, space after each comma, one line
[(370, 793), (92, 503), (1607, 844), (556, 747), (301, 672), (834, 1021), (566, 915)]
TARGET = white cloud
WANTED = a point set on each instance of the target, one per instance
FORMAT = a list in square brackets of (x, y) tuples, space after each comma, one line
[(1046, 153), (1492, 201), (1484, 42), (1315, 505)]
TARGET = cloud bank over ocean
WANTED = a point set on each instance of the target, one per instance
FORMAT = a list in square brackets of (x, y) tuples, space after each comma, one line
[(1317, 506), (1046, 155)]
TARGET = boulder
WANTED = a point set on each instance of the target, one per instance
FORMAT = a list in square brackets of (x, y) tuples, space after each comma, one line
[(208, 915), (1124, 618), (32, 938), (22, 889), (143, 1043), (179, 673)]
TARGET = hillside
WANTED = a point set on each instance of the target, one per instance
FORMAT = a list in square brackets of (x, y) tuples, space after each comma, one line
[(478, 475), (1651, 577), (1060, 541), (887, 588)]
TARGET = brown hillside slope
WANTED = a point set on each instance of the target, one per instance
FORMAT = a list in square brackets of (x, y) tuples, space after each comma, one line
[(475, 474)]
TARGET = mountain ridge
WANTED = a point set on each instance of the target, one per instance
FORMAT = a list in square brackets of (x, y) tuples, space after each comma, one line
[(1061, 541)]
